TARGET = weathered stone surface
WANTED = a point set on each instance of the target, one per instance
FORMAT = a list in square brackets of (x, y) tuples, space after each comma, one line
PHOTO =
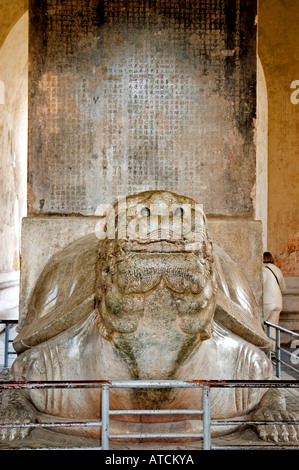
[(142, 95), (242, 240), (42, 237)]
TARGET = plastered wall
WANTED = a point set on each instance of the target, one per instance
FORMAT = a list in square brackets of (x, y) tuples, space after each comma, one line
[(278, 50), (13, 132)]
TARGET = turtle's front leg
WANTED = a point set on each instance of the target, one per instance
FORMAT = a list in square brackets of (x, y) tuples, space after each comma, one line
[(15, 406), (273, 408), (15, 409)]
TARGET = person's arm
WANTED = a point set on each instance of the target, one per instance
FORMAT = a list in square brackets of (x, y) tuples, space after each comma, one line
[(282, 283)]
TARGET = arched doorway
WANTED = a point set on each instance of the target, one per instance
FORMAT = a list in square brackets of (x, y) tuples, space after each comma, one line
[(13, 159)]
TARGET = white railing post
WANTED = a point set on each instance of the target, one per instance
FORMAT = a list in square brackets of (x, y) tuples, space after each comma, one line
[(206, 418), (105, 417)]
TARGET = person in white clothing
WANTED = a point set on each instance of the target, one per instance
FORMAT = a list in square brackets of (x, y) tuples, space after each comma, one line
[(273, 286)]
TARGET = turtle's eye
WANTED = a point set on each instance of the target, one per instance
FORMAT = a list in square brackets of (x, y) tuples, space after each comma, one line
[(179, 212), (145, 212)]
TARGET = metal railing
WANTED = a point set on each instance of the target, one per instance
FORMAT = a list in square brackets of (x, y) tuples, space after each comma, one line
[(104, 423), (7, 340), (278, 349)]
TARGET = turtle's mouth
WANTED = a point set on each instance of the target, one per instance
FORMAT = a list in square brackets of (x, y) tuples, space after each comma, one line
[(154, 287), (160, 246)]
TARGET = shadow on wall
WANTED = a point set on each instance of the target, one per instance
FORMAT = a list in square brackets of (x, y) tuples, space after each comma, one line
[(288, 260), (13, 142)]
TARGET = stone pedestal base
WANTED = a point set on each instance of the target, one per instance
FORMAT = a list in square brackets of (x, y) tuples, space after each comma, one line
[(42, 237)]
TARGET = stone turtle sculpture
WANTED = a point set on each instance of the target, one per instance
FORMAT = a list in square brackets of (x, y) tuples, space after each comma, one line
[(152, 299)]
